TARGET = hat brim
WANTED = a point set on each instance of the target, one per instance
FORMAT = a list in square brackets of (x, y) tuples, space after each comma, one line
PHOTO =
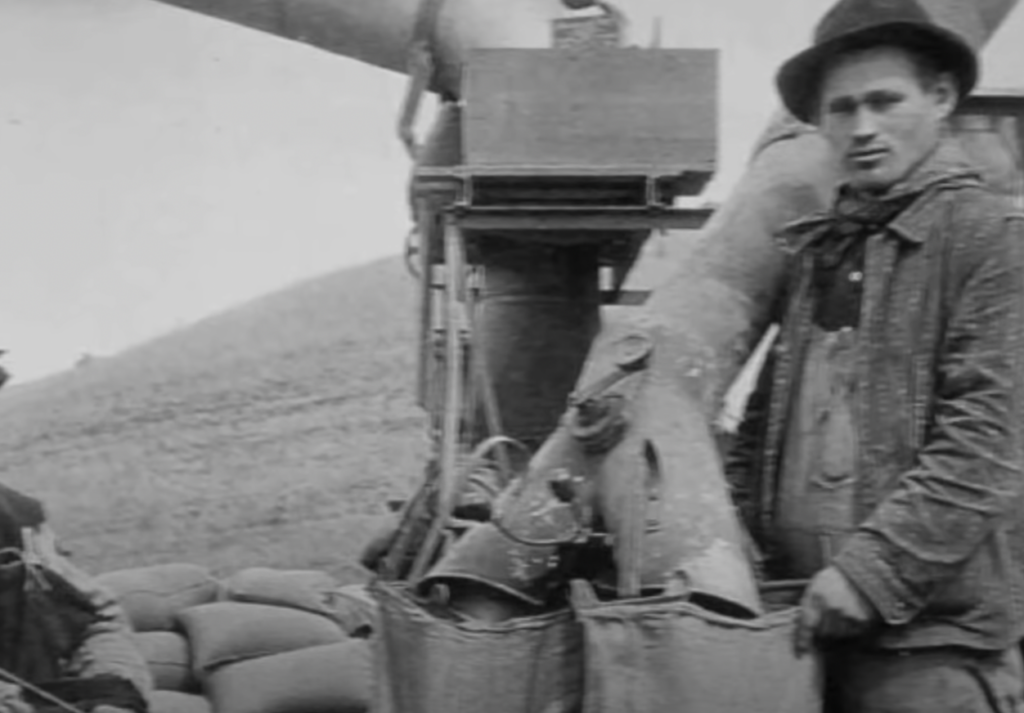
[(799, 78)]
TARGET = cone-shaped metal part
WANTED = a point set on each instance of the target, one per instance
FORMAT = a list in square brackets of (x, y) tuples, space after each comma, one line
[(538, 312), (519, 553), (661, 495)]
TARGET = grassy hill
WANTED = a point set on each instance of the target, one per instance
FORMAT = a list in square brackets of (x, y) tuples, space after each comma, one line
[(271, 434)]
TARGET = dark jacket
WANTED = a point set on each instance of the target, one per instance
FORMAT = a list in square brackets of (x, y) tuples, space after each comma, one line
[(57, 626), (37, 631), (940, 487)]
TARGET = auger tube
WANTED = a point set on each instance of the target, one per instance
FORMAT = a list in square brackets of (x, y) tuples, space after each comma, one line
[(380, 32)]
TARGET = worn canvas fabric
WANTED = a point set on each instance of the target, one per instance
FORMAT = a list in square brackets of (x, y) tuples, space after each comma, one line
[(666, 653), (425, 663)]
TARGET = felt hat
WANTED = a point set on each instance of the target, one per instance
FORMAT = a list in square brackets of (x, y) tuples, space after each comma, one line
[(853, 25)]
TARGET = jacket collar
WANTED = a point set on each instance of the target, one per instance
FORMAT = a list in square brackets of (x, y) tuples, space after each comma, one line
[(947, 167)]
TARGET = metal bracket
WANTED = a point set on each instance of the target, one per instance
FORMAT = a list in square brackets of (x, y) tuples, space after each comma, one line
[(421, 66)]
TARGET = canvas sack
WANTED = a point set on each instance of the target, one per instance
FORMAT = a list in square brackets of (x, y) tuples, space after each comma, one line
[(222, 633), (426, 663), (153, 596), (334, 678), (654, 654)]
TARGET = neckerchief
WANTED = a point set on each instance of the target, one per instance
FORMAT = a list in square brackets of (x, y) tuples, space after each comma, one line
[(855, 216)]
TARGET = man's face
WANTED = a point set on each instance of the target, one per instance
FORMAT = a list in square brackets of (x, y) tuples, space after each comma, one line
[(880, 117)]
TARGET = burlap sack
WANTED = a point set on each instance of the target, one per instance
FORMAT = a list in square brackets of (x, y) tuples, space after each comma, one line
[(354, 609), (176, 702), (309, 590), (336, 678), (168, 657), (424, 663), (655, 654), (228, 632), (153, 596)]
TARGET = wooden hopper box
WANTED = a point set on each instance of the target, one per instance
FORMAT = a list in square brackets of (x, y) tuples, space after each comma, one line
[(627, 126)]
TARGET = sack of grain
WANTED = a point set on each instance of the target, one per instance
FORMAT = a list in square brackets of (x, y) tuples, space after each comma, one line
[(652, 654), (309, 590), (354, 609), (176, 702), (153, 596), (427, 661), (336, 678), (228, 632), (167, 655)]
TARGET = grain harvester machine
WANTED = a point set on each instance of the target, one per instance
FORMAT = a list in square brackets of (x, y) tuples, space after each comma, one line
[(556, 151), (533, 196)]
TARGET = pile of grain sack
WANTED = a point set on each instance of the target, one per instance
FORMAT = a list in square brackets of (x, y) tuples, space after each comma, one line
[(260, 641)]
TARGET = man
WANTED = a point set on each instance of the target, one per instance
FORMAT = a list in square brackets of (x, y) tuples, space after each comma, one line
[(59, 632), (880, 455)]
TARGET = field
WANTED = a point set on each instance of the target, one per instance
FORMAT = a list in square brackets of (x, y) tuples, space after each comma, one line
[(268, 435), (271, 434)]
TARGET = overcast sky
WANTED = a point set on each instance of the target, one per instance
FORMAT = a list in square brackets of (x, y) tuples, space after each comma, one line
[(157, 166)]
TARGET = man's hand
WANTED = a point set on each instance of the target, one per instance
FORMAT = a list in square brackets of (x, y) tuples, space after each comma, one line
[(831, 608)]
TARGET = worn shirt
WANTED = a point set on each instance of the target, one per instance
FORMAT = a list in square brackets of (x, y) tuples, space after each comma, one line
[(939, 543), (817, 481)]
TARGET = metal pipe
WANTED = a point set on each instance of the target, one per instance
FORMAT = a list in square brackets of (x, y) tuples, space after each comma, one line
[(381, 32), (538, 313)]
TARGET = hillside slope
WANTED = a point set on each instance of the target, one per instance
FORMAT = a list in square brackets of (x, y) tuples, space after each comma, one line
[(268, 434)]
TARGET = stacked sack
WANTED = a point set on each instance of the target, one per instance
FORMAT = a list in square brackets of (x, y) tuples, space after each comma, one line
[(152, 598), (262, 641)]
